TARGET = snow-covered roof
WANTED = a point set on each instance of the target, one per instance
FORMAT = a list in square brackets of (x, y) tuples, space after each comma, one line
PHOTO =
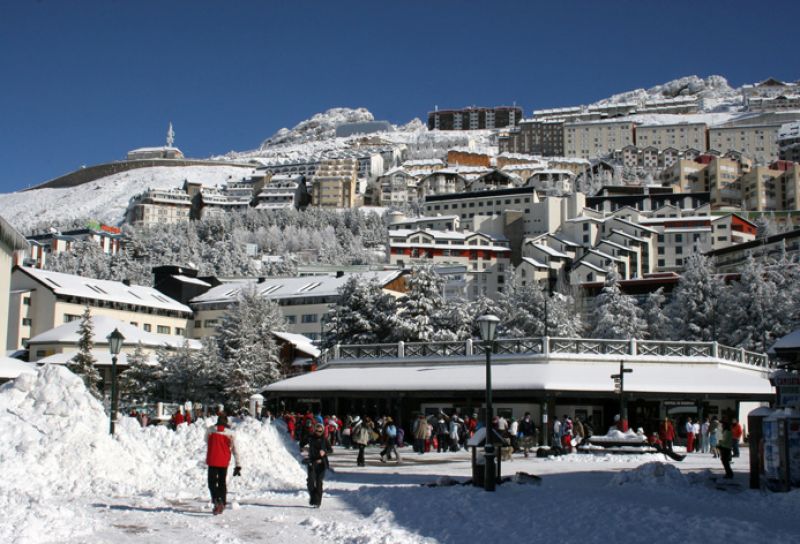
[(549, 250), (152, 149), (582, 372), (297, 287), (446, 234), (187, 279), (11, 368), (629, 236), (112, 291), (300, 342), (11, 237), (614, 245), (101, 357), (534, 262), (602, 254), (564, 241), (587, 264), (102, 326)]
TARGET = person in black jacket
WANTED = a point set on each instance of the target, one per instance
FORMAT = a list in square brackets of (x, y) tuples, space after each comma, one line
[(527, 428), (318, 449)]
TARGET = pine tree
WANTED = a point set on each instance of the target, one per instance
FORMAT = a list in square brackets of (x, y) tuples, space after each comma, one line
[(247, 350), (83, 364), (521, 309), (417, 308), (694, 311), (615, 315), (563, 317), (654, 315), (142, 378), (364, 315), (453, 322)]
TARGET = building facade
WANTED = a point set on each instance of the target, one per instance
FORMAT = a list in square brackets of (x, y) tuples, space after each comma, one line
[(474, 118)]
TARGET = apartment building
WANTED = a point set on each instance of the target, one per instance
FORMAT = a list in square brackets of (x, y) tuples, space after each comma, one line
[(42, 300), (474, 118), (43, 246), (680, 237), (11, 242), (334, 184), (771, 188), (159, 206), (283, 192), (789, 142), (534, 137), (754, 136), (593, 139), (463, 156), (304, 301), (486, 257), (540, 215), (677, 136), (646, 199), (772, 248)]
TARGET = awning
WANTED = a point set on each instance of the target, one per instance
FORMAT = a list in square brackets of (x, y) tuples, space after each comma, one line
[(699, 377)]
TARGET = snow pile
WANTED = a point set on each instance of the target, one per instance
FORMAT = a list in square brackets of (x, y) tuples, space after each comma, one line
[(615, 435), (57, 446), (655, 474)]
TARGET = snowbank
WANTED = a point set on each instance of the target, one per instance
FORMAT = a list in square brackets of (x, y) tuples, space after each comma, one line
[(57, 446), (657, 474)]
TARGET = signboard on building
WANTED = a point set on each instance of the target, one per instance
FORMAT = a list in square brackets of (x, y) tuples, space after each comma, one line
[(788, 389)]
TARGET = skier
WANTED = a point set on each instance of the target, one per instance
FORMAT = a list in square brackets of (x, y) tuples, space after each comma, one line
[(318, 449), (221, 444)]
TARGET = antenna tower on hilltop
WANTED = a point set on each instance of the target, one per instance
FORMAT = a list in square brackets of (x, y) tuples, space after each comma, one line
[(170, 135)]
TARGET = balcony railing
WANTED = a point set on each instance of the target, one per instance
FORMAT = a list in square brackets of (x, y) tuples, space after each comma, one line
[(542, 346)]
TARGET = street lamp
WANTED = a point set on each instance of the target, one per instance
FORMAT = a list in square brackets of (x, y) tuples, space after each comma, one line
[(114, 345), (488, 328), (619, 386)]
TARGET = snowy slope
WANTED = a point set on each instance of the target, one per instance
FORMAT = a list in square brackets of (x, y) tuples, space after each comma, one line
[(105, 199), (715, 91)]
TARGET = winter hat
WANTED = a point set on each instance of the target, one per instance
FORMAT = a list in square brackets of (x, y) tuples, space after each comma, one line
[(319, 427), (356, 420)]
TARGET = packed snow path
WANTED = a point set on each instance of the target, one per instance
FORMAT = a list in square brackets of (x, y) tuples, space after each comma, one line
[(579, 500)]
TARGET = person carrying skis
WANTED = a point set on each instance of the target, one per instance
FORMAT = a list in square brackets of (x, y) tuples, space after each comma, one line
[(221, 444), (318, 449)]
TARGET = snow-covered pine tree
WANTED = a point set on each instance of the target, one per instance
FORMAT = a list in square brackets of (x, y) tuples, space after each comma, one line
[(521, 309), (83, 364), (247, 350), (615, 316), (453, 321), (654, 315), (563, 316), (483, 305), (140, 381), (694, 311), (364, 315), (754, 318), (417, 308)]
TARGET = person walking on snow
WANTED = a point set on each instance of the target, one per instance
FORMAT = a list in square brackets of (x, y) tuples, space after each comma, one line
[(318, 449), (221, 444), (689, 435), (360, 437)]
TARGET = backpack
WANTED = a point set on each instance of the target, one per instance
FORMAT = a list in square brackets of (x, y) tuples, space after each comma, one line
[(391, 431)]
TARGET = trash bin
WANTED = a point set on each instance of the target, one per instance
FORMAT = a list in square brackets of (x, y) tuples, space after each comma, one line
[(477, 445)]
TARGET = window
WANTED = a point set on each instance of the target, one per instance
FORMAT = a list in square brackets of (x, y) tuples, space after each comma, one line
[(26, 301), (71, 317), (27, 321), (147, 327), (180, 331), (198, 324), (309, 318), (678, 250), (661, 262), (291, 319), (678, 238), (134, 324)]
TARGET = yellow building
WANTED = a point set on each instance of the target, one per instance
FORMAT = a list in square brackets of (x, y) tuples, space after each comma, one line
[(42, 300), (594, 139), (334, 184)]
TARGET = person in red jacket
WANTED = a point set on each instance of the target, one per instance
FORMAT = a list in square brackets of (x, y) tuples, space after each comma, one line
[(221, 444), (736, 433), (177, 418), (666, 432)]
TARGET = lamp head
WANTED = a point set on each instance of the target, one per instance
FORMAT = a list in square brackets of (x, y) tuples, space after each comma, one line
[(115, 340), (488, 326)]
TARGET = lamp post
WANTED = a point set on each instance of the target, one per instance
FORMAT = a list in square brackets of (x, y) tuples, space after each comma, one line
[(114, 345), (488, 328), (619, 385)]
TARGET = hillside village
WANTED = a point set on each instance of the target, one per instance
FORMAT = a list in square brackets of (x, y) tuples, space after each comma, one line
[(554, 222)]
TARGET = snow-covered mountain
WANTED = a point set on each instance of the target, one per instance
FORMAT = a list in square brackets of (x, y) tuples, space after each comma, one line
[(106, 199), (321, 126), (714, 91)]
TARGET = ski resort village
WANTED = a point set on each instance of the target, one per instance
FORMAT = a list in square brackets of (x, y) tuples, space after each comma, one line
[(521, 322)]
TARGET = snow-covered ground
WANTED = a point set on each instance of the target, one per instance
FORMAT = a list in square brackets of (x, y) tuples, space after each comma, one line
[(106, 199), (65, 480)]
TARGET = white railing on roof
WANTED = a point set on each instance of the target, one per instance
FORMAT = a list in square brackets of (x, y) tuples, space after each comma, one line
[(544, 346)]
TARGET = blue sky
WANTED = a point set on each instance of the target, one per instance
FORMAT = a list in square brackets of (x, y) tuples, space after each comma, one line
[(82, 82)]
